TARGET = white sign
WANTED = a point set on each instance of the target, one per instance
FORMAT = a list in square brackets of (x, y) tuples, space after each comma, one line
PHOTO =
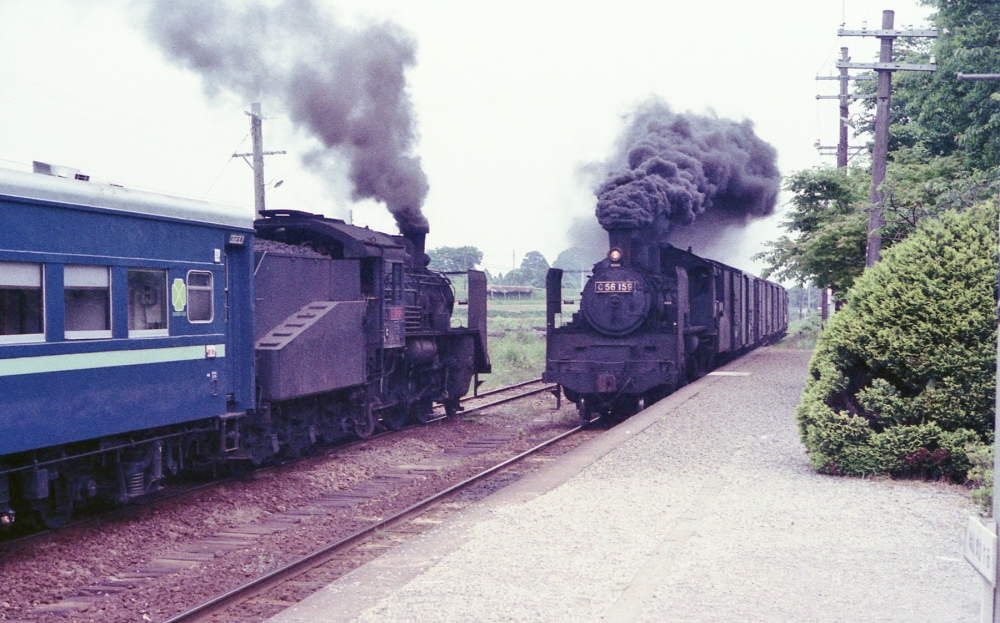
[(981, 548)]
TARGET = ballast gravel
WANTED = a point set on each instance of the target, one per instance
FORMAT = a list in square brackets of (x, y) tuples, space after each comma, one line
[(706, 511)]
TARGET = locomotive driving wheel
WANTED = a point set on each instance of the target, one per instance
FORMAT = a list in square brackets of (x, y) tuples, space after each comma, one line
[(422, 410), (394, 417), (362, 421)]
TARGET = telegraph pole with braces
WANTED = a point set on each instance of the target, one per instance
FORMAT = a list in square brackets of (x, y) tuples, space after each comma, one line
[(884, 68), (258, 154), (843, 151)]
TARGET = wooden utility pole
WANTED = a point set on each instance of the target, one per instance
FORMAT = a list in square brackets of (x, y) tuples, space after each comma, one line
[(257, 136), (843, 151), (884, 67), (880, 152), (844, 112)]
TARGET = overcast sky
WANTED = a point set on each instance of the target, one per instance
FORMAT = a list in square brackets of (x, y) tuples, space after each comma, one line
[(511, 98)]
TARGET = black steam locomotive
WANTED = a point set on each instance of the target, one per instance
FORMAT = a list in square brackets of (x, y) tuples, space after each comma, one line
[(653, 318), (352, 329)]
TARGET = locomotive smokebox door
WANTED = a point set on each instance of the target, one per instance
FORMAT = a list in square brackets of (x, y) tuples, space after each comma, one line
[(605, 383)]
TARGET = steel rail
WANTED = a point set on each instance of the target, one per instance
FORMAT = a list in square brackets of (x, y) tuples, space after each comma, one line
[(502, 389), (547, 388), (155, 498), (320, 556)]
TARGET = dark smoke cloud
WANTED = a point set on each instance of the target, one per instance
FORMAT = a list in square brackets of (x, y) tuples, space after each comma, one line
[(672, 170), (345, 87)]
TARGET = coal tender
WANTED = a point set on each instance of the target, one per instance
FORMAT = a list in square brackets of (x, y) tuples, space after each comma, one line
[(352, 329)]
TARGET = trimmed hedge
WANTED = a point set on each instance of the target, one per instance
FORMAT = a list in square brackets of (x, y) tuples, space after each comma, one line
[(902, 380)]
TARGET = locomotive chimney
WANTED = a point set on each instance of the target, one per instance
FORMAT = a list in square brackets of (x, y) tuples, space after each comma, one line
[(621, 239), (417, 238)]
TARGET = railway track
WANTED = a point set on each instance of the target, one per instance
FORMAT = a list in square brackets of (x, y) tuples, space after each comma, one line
[(390, 473), (509, 393), (272, 581), (525, 389)]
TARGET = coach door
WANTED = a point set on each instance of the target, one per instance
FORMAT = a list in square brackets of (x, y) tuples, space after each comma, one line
[(238, 307), (723, 309), (737, 307)]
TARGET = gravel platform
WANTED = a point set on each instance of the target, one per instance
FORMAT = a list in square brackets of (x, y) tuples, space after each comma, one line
[(700, 508)]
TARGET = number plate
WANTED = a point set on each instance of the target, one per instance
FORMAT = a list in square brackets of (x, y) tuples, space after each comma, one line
[(607, 287)]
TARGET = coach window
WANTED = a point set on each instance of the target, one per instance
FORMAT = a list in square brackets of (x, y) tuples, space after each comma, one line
[(87, 295), (200, 296), (21, 310), (147, 302)]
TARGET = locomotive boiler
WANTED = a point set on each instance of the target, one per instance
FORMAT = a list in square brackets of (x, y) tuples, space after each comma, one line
[(653, 317)]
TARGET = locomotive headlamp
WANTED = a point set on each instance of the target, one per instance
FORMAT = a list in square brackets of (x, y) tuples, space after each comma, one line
[(615, 255)]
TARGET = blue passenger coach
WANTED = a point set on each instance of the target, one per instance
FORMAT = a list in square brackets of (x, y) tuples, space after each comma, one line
[(126, 326)]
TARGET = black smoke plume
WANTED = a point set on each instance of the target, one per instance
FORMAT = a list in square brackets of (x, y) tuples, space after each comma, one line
[(345, 87), (698, 171)]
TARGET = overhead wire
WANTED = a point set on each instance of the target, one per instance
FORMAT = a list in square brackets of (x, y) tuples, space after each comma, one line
[(232, 154)]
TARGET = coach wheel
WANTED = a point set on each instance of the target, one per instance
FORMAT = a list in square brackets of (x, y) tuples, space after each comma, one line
[(586, 412), (56, 510), (362, 422), (394, 418), (259, 447), (422, 411)]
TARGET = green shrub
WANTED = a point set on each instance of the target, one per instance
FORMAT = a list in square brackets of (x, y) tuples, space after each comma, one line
[(902, 380), (981, 476)]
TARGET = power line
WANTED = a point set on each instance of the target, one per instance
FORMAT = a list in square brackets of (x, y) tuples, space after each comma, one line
[(225, 166)]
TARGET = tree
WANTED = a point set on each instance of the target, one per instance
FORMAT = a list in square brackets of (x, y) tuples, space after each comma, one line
[(903, 379), (578, 258), (829, 223), (531, 272), (919, 185), (933, 109), (455, 259)]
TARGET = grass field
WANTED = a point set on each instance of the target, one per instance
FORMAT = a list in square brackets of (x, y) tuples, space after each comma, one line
[(517, 337), (516, 340), (802, 334)]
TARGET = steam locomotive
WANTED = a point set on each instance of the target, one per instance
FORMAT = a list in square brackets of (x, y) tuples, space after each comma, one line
[(652, 318), (142, 334)]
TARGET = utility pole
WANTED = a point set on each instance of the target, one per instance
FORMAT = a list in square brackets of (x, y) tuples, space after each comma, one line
[(843, 151), (884, 67), (844, 112), (257, 135)]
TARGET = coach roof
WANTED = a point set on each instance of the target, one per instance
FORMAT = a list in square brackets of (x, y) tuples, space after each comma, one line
[(72, 193)]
